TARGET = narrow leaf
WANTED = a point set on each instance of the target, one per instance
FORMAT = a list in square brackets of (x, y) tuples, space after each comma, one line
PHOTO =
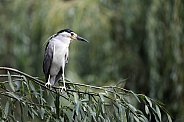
[(158, 112), (125, 118), (23, 114), (76, 97), (91, 111), (103, 108), (85, 100), (78, 107), (25, 81), (30, 113), (136, 119), (14, 95), (98, 107), (149, 101), (132, 107), (169, 118), (142, 118), (101, 97), (42, 112), (156, 116), (121, 82), (10, 82), (31, 86), (57, 104), (33, 89), (135, 96), (146, 109), (35, 113), (120, 112), (6, 111), (48, 119)]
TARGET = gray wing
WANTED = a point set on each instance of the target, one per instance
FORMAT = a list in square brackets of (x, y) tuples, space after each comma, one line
[(48, 56)]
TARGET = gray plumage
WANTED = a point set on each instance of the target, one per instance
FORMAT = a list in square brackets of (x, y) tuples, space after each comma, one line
[(56, 56)]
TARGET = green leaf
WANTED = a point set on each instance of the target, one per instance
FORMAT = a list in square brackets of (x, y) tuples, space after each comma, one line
[(122, 82), (149, 101), (158, 112), (101, 97), (132, 107), (142, 118), (130, 117), (33, 89), (103, 108), (67, 116), (169, 118), (135, 96), (48, 119), (136, 119), (23, 112), (35, 113), (98, 108), (76, 97), (11, 119), (91, 111), (120, 112), (6, 111), (155, 115), (78, 107), (14, 96), (84, 100), (115, 111), (61, 119), (124, 114), (30, 113), (42, 112), (57, 105), (10, 82), (26, 83), (147, 109)]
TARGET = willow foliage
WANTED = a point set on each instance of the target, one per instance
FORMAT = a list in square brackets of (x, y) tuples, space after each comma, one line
[(27, 99)]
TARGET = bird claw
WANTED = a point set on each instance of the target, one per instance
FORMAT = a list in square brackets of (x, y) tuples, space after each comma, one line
[(62, 89), (48, 85)]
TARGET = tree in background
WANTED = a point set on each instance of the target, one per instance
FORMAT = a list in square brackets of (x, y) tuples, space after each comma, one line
[(138, 40)]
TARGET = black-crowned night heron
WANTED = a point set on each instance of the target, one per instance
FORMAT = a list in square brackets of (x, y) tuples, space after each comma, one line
[(56, 56)]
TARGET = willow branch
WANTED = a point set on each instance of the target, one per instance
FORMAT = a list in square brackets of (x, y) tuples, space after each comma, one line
[(41, 83), (36, 80)]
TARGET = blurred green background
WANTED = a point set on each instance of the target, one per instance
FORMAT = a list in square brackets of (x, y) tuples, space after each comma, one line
[(138, 40)]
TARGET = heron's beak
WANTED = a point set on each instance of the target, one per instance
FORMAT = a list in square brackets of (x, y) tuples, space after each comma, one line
[(81, 39)]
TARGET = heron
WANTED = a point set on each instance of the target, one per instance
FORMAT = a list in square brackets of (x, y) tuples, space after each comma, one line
[(56, 56)]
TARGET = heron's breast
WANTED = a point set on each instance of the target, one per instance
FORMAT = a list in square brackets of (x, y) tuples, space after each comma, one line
[(58, 59)]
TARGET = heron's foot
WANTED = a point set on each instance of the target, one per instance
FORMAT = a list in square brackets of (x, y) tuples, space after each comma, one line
[(48, 85), (62, 88)]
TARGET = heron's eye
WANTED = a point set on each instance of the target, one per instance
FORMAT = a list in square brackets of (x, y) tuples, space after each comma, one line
[(72, 34)]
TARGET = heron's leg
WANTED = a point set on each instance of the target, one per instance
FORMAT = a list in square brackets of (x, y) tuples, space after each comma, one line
[(63, 76), (64, 87), (48, 84)]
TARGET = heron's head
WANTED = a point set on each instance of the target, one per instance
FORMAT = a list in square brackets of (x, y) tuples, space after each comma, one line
[(67, 33)]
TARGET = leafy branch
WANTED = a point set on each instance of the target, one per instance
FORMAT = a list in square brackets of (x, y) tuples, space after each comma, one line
[(79, 102)]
